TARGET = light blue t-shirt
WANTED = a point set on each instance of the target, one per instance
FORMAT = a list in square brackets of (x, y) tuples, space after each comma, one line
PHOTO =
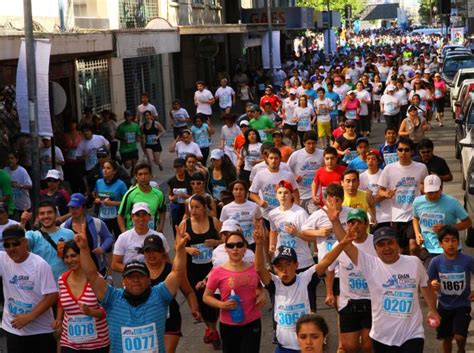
[(447, 210), (140, 328), (336, 100), (113, 191), (358, 164), (201, 135), (40, 246)]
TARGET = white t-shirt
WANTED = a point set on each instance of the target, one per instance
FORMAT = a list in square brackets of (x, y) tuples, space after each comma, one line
[(10, 222), (225, 94), (396, 313), (323, 109), (182, 149), (291, 302), (246, 214), (353, 284), (87, 149), (228, 134), (262, 165), (391, 104), (250, 155), (220, 256), (45, 160), (304, 164), (21, 197), (143, 108), (406, 181), (200, 97), (129, 242), (297, 216), (304, 116), (370, 182), (361, 96), (24, 286), (402, 96), (342, 92), (264, 185), (289, 106), (179, 117)]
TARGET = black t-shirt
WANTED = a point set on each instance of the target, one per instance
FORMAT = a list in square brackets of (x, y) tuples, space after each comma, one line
[(437, 165), (174, 183)]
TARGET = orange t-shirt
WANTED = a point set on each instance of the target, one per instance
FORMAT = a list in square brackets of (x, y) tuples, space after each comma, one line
[(286, 152)]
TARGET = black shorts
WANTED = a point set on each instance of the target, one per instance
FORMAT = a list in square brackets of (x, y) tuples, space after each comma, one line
[(128, 156), (404, 231), (453, 322), (439, 104), (156, 147), (336, 289), (114, 229), (414, 345), (293, 128), (173, 325), (356, 316)]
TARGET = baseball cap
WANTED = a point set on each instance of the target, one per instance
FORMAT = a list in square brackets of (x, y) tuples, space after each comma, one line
[(391, 88), (292, 90), (217, 154), (231, 225), (412, 107), (135, 266), (285, 252), (3, 207), (244, 123), (254, 108), (13, 232), (178, 162), (184, 131), (384, 233), (277, 132), (362, 139), (351, 92), (153, 242), (432, 183), (374, 152), (284, 184), (102, 152), (141, 206), (417, 71), (46, 138), (437, 74), (348, 77), (53, 174), (357, 214), (197, 176), (427, 71), (77, 200)]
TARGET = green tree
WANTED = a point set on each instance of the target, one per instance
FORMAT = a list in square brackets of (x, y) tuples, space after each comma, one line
[(335, 5), (426, 9)]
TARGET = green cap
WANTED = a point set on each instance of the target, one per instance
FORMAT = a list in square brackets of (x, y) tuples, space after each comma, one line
[(358, 214), (254, 108)]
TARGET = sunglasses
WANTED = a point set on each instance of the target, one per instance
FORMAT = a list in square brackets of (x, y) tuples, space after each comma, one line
[(15, 244), (350, 126), (404, 149), (238, 245)]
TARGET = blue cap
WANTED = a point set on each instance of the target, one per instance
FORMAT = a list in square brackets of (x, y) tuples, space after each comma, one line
[(77, 200)]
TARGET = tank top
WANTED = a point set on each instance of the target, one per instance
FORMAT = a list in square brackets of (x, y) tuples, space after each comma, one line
[(357, 201), (173, 311), (202, 263), (416, 131), (150, 134), (217, 186)]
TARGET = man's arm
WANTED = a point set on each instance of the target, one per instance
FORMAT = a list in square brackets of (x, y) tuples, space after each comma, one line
[(117, 263), (416, 228), (331, 256), (20, 321), (255, 198), (430, 299), (174, 279), (371, 210), (329, 280), (263, 273)]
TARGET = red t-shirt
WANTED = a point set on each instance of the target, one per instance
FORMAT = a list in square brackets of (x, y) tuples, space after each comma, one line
[(323, 178), (273, 99)]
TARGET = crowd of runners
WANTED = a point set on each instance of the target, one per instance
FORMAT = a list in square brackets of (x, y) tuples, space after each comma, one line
[(288, 195)]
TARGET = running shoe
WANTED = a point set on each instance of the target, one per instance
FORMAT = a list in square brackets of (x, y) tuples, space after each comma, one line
[(207, 335), (215, 340)]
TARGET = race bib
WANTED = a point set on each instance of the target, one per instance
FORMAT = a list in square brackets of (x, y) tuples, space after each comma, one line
[(270, 198), (308, 179), (351, 114), (287, 315), (438, 93), (205, 254), (179, 191), (107, 212), (429, 219), (263, 135), (397, 303), (150, 139), (286, 239), (452, 283), (390, 158), (225, 100), (81, 328), (130, 137), (16, 307), (358, 284), (228, 142), (71, 154), (140, 339), (405, 197), (389, 108), (303, 124), (216, 191)]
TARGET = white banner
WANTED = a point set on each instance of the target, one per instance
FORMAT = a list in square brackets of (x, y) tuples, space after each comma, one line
[(42, 53), (275, 51), (457, 35)]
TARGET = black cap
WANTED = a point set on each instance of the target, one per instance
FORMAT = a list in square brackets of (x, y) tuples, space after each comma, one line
[(14, 231), (384, 233), (153, 242), (179, 162), (362, 139), (136, 266), (197, 176), (102, 152), (285, 252)]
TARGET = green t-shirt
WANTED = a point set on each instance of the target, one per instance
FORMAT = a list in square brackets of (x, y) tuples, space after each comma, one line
[(155, 200), (6, 189), (129, 133), (263, 123)]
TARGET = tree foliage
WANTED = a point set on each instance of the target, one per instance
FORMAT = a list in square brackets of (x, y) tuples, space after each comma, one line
[(335, 5)]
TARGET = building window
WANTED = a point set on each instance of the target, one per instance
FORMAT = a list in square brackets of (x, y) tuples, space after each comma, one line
[(198, 2), (137, 13), (94, 85)]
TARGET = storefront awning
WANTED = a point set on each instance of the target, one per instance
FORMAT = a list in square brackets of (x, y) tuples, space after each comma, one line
[(213, 29), (143, 42)]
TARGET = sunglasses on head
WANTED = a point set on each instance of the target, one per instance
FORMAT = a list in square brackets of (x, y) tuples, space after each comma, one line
[(15, 244), (404, 149), (238, 245)]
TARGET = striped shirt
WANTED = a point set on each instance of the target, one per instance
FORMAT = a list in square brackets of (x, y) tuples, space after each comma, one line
[(140, 328), (80, 331)]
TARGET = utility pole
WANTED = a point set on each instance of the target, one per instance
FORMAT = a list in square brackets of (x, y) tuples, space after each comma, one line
[(270, 38), (329, 29), (32, 100)]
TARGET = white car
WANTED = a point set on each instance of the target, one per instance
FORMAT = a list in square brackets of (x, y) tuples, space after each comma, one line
[(461, 76), (467, 152)]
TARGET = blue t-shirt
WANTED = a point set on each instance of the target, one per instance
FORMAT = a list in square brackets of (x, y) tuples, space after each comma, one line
[(447, 210), (336, 100), (201, 135), (358, 164), (140, 328), (311, 93), (455, 279), (113, 191), (40, 246)]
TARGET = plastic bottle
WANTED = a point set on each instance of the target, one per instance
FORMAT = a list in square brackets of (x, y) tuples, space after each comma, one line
[(236, 314), (60, 247)]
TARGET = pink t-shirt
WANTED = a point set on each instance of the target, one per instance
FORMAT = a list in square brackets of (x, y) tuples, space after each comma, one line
[(439, 89), (351, 109), (244, 284)]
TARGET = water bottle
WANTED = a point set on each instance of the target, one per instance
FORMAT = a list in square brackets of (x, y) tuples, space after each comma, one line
[(236, 314), (60, 247)]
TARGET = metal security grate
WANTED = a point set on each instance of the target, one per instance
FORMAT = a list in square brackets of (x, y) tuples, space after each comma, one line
[(137, 13), (94, 84)]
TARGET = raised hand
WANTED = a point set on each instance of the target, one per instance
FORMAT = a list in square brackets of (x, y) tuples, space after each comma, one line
[(81, 239), (331, 210)]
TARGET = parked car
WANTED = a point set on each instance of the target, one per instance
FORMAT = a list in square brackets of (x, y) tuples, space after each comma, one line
[(449, 47), (459, 78), (452, 64), (464, 121), (468, 180), (454, 51), (465, 91)]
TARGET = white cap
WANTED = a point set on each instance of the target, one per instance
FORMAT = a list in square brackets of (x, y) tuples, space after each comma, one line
[(231, 225), (154, 184), (348, 77), (350, 92), (427, 71), (244, 122), (53, 174), (391, 88), (432, 183), (141, 206), (217, 154), (292, 90), (46, 138), (417, 71)]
